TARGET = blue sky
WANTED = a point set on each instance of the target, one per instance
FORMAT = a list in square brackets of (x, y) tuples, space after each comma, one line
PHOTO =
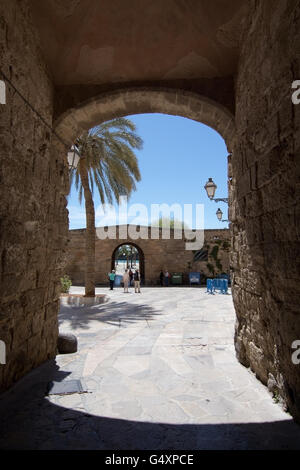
[(178, 157)]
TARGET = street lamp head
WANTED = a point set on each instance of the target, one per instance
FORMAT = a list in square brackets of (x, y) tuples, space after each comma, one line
[(219, 214), (210, 188), (73, 158)]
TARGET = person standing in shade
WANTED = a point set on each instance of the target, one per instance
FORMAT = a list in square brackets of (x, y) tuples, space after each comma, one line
[(167, 275), (112, 276), (137, 282), (161, 278), (126, 280)]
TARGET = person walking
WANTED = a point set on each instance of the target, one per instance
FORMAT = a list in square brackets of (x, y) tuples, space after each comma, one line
[(161, 278), (112, 276), (137, 282), (167, 275), (126, 280)]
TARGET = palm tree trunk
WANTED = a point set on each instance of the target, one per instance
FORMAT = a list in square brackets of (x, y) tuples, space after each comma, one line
[(90, 231)]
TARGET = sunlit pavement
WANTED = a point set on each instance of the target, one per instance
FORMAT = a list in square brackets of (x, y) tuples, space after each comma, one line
[(160, 373)]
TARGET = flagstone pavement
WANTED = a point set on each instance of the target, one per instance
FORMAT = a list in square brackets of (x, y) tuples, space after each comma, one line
[(160, 372)]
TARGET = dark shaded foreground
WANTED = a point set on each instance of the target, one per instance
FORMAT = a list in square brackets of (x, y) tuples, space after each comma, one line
[(29, 421)]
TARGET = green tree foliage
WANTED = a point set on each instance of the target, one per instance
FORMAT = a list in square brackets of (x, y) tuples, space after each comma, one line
[(169, 222)]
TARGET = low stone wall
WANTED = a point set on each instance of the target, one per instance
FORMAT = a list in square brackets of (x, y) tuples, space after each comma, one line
[(158, 254)]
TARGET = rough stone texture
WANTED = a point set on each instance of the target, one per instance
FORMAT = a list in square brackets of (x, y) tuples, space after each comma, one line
[(265, 210), (158, 254), (33, 217), (66, 343), (219, 90)]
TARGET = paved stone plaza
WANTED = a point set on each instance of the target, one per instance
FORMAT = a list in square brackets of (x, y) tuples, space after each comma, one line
[(160, 373)]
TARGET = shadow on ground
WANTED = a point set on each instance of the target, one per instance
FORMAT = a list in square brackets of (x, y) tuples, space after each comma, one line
[(113, 313), (29, 421)]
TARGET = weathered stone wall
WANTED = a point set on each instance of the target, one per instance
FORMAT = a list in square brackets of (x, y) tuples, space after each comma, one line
[(265, 210), (158, 254), (33, 217), (141, 100)]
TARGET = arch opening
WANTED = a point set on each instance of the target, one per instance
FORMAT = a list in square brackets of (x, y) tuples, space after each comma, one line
[(125, 102), (128, 255)]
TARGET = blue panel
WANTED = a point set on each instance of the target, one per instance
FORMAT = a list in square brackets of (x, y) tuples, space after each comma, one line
[(194, 278)]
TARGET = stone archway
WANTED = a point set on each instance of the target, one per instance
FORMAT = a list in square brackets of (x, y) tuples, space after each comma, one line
[(141, 258), (129, 101), (229, 49), (145, 100), (262, 247)]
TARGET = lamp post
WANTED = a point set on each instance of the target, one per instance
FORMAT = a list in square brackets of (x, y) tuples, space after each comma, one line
[(219, 214), (73, 158), (210, 188)]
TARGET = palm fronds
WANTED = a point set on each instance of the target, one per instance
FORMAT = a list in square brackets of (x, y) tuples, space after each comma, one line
[(108, 150)]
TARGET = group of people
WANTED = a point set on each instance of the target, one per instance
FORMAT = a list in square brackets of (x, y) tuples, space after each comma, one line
[(128, 278), (164, 278)]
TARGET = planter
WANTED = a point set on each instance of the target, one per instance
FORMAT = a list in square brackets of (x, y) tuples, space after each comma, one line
[(79, 300)]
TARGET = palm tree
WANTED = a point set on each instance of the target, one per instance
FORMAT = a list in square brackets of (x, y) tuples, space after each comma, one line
[(108, 163)]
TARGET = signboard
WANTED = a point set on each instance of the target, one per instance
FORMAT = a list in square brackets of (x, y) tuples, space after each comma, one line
[(194, 278)]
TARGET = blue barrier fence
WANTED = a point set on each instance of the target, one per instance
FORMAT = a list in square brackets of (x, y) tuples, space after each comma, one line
[(213, 285)]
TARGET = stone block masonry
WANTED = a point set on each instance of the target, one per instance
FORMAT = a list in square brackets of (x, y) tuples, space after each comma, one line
[(265, 210), (33, 216), (158, 254)]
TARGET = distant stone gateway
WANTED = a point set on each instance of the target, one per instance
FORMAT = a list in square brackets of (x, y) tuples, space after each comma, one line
[(154, 255)]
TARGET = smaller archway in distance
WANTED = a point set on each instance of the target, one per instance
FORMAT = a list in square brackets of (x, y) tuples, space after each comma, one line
[(128, 256)]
